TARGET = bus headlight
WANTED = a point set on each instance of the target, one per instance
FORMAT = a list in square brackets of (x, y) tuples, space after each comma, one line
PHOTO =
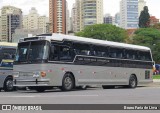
[(15, 74), (36, 74)]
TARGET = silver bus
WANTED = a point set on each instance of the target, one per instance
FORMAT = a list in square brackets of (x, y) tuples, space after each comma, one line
[(67, 62), (7, 54)]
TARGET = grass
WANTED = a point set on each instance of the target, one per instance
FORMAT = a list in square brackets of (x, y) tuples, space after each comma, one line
[(156, 76)]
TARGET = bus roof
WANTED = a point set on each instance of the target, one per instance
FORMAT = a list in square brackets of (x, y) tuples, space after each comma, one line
[(62, 37), (8, 44)]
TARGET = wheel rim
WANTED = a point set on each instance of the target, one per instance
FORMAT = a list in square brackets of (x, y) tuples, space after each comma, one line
[(9, 85), (68, 83), (133, 82)]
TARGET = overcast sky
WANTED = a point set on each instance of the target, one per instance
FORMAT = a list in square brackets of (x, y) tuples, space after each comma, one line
[(110, 6)]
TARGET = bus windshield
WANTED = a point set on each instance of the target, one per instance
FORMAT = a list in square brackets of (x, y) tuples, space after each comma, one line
[(32, 51)]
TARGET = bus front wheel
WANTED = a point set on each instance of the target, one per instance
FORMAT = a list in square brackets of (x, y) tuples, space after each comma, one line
[(8, 84), (68, 82), (132, 81)]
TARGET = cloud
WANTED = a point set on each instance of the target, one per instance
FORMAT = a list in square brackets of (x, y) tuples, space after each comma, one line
[(41, 5)]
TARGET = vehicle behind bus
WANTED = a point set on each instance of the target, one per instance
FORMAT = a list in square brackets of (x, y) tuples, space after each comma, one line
[(68, 62), (7, 55)]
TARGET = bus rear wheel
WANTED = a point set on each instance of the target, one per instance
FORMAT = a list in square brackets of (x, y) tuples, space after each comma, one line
[(68, 82), (8, 84), (132, 81)]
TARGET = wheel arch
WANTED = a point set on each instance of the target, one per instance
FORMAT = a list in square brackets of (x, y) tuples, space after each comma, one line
[(72, 76), (9, 76), (135, 77)]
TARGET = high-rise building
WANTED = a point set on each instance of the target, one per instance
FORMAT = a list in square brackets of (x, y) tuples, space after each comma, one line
[(108, 19), (34, 21), (74, 18), (129, 14), (141, 4), (11, 19), (117, 19), (42, 23), (57, 16), (30, 21), (88, 12)]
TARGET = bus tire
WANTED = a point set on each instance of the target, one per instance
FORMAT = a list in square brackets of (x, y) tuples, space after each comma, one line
[(68, 82), (108, 87), (8, 84), (40, 89), (132, 81)]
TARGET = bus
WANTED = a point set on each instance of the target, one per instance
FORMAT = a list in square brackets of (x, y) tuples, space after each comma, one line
[(7, 55), (67, 62)]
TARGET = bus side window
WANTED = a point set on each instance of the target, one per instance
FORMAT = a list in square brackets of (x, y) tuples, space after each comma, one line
[(65, 53), (54, 53), (82, 49)]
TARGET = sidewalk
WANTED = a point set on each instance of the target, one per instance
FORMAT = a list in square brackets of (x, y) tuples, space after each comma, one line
[(156, 83), (156, 80)]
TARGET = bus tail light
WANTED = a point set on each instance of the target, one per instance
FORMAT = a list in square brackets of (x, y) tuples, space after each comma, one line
[(43, 74)]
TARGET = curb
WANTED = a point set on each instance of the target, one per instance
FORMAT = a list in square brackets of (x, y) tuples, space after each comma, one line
[(156, 80)]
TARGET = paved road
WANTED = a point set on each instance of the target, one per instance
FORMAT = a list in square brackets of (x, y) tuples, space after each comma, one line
[(140, 95)]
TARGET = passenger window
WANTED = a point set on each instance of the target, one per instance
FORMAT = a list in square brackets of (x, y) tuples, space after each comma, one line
[(82, 49), (61, 53), (131, 54), (116, 53), (100, 51), (65, 54), (145, 56)]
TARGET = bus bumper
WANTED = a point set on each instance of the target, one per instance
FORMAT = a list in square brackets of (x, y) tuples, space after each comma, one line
[(26, 83)]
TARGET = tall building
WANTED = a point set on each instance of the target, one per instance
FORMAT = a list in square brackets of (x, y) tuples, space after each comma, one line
[(117, 19), (88, 12), (74, 18), (30, 21), (141, 4), (129, 14), (34, 21), (11, 19), (108, 19), (42, 23), (57, 16)]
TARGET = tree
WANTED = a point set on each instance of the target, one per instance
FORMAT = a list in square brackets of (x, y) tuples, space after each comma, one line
[(149, 37), (104, 32), (144, 18)]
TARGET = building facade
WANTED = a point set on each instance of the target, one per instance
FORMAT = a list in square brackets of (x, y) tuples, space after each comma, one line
[(34, 21), (129, 14), (57, 16), (11, 19), (117, 19), (141, 4), (153, 20), (74, 18), (108, 19), (23, 33), (87, 12)]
